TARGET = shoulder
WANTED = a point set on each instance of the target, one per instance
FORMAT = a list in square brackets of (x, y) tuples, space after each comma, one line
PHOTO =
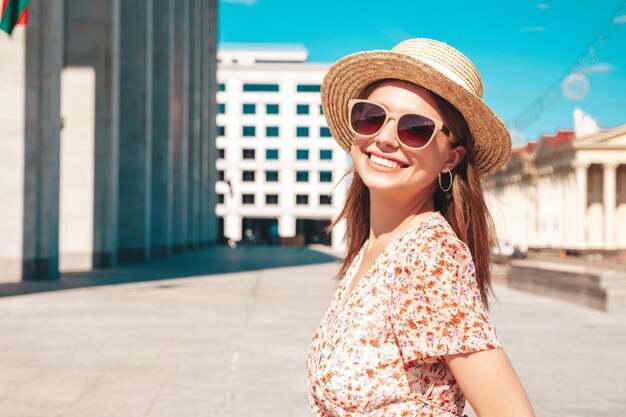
[(435, 243)]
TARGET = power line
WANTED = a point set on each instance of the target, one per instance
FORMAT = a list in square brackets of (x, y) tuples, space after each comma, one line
[(587, 58)]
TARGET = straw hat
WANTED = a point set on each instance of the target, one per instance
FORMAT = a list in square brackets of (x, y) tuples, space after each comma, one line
[(433, 65)]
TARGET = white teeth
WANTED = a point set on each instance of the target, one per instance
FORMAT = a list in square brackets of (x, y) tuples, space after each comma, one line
[(385, 162)]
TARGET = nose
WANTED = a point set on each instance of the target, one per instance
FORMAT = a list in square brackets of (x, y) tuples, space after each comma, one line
[(387, 135)]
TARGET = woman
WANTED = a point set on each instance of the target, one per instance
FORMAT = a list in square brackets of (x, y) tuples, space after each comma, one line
[(407, 333)]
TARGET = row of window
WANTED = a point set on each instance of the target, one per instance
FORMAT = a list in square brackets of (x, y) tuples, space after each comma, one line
[(272, 199), (301, 154), (251, 108), (272, 176), (275, 88), (274, 131)]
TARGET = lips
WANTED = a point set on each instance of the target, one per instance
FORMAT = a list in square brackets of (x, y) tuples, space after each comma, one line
[(385, 162)]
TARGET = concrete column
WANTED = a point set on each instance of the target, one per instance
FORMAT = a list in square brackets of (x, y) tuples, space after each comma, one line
[(195, 46), (163, 49), (180, 126), (89, 219), (207, 201), (286, 226), (581, 182), (12, 125), (44, 61), (609, 204), (211, 47), (135, 130), (232, 227)]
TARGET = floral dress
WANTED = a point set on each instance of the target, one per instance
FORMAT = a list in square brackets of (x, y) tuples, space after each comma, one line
[(381, 353)]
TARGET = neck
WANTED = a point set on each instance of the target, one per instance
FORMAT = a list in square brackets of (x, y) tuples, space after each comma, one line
[(391, 215)]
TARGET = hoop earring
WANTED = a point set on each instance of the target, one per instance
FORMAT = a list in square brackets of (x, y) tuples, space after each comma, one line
[(449, 186)]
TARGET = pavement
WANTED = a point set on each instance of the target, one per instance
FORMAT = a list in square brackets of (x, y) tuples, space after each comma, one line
[(225, 333)]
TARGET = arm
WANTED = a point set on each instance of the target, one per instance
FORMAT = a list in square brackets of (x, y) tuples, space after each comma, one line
[(490, 383)]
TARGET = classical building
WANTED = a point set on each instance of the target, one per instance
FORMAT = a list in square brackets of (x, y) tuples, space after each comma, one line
[(278, 164), (107, 121), (564, 191)]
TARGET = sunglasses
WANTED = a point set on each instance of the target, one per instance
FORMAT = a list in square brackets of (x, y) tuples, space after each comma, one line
[(367, 118)]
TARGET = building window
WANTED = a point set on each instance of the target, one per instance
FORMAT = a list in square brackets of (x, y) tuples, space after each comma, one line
[(248, 153), (221, 130), (325, 200), (220, 199), (302, 132), (262, 88), (302, 176), (249, 108), (326, 154), (222, 87), (271, 131), (326, 176), (302, 199), (220, 175), (272, 108), (249, 131), (271, 154), (247, 176), (221, 153), (247, 199), (321, 110), (324, 132), (302, 154), (271, 176), (302, 109), (308, 88), (222, 108), (271, 199)]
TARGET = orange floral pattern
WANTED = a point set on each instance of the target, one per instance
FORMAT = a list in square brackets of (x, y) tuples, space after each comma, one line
[(381, 353)]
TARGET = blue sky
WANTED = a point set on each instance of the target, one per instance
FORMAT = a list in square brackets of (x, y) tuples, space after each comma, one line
[(522, 48)]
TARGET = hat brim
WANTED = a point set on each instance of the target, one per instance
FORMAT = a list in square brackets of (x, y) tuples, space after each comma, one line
[(348, 77)]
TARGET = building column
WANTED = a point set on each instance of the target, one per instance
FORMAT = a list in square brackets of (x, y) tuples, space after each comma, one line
[(161, 193), (609, 204), (286, 226), (135, 173), (89, 160), (44, 62), (581, 182), (194, 109), (12, 125), (180, 126), (212, 110)]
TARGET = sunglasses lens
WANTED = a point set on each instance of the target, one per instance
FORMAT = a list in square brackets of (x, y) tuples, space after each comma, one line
[(414, 130), (367, 118)]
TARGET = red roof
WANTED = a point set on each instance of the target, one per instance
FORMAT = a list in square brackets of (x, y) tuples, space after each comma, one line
[(560, 137)]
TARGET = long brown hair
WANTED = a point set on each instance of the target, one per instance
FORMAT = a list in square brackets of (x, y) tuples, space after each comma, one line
[(463, 207)]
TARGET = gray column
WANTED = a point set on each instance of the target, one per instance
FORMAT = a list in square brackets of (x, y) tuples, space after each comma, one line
[(211, 46), (180, 126), (163, 49), (194, 125), (92, 41), (44, 53), (135, 130)]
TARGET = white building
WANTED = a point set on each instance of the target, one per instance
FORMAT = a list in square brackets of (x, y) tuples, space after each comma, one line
[(566, 191), (277, 162)]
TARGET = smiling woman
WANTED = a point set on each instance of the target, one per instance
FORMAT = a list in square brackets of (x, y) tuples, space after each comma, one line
[(407, 332)]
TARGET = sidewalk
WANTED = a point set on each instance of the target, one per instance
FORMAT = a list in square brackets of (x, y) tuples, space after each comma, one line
[(192, 343)]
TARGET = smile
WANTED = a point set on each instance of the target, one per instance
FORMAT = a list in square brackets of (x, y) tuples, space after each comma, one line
[(388, 163)]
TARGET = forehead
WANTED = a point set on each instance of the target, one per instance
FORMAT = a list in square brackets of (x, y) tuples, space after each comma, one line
[(403, 96)]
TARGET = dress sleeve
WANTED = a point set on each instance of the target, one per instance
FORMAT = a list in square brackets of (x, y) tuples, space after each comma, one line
[(436, 304)]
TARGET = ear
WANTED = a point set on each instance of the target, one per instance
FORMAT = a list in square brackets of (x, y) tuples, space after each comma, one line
[(455, 156)]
